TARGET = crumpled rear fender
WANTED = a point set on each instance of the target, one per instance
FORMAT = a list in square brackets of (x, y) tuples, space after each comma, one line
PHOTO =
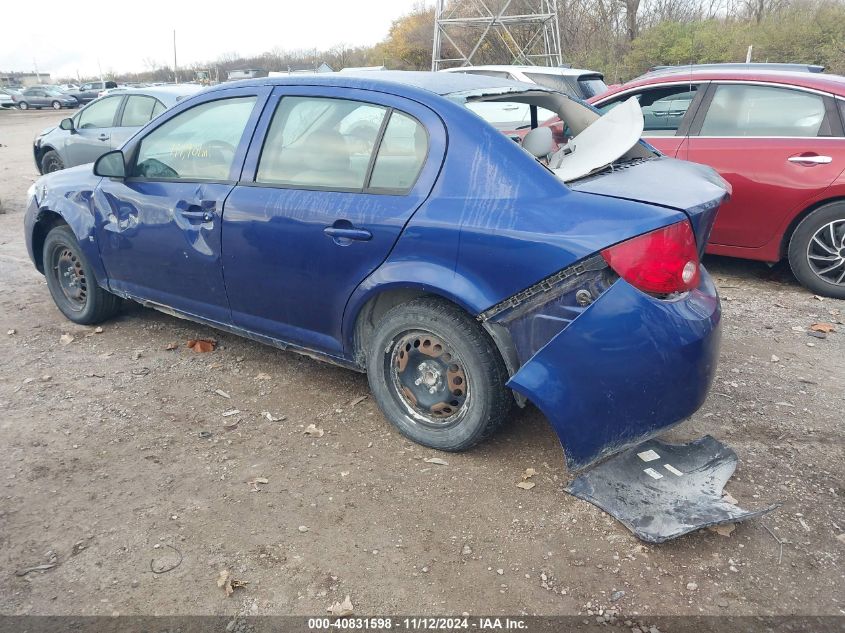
[(627, 368)]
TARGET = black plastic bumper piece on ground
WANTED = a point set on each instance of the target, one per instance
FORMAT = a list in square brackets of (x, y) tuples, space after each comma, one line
[(660, 491)]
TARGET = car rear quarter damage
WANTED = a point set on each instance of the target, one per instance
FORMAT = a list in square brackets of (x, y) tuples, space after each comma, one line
[(618, 370)]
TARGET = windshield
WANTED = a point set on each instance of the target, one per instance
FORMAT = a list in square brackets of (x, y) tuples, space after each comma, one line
[(55, 93)]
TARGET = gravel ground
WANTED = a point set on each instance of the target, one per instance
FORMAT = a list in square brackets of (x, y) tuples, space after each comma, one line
[(117, 455)]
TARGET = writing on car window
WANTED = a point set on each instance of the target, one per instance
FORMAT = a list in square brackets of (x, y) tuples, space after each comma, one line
[(199, 143)]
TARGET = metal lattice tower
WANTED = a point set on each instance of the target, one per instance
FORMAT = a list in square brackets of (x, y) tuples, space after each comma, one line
[(479, 21)]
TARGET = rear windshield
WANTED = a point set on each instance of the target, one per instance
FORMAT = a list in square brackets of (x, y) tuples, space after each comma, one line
[(507, 116), (592, 86), (555, 82)]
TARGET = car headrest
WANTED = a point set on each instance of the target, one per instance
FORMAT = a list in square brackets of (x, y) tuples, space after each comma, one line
[(327, 151), (539, 142)]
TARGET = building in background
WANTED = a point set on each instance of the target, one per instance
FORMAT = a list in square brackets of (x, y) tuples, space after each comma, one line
[(24, 79), (303, 69), (246, 73)]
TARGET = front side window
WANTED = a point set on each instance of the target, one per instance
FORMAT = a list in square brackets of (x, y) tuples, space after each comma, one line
[(99, 114), (320, 142), (138, 110), (746, 110), (663, 108), (401, 154), (197, 144)]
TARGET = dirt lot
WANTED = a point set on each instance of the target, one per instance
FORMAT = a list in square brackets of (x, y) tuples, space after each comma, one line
[(116, 451)]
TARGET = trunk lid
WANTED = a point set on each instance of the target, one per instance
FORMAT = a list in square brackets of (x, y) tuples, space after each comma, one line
[(695, 189)]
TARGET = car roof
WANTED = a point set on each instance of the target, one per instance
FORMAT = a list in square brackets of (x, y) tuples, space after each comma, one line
[(166, 94), (540, 70), (752, 66), (818, 81), (388, 80)]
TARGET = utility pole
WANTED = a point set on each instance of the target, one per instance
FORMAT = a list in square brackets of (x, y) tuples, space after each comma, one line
[(175, 71)]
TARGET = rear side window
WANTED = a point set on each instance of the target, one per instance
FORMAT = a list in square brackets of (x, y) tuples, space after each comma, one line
[(322, 143), (138, 110), (99, 114), (197, 144), (745, 110), (401, 154)]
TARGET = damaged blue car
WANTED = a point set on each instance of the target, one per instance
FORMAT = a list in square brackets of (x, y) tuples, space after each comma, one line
[(376, 221)]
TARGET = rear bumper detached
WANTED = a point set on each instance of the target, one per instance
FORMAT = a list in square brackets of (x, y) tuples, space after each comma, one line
[(626, 369)]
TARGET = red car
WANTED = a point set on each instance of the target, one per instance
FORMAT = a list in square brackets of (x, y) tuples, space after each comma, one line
[(779, 139)]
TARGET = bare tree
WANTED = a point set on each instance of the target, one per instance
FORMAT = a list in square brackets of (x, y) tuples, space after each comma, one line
[(631, 8)]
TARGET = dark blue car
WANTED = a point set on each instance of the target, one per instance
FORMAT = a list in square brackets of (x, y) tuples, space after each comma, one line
[(376, 222)]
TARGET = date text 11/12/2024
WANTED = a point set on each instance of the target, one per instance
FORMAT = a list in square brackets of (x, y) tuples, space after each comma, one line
[(418, 623)]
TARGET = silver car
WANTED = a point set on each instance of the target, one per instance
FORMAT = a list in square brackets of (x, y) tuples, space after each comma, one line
[(103, 125), (44, 97)]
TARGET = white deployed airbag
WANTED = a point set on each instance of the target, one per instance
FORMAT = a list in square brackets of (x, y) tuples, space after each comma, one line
[(607, 139)]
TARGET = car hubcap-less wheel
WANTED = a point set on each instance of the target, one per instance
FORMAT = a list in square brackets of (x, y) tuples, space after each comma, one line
[(52, 164), (68, 271), (428, 379), (826, 252)]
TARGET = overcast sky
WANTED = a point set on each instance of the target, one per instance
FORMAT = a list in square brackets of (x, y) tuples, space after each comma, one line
[(64, 38)]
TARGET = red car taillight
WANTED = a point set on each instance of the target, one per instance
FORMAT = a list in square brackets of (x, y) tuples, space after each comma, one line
[(660, 262)]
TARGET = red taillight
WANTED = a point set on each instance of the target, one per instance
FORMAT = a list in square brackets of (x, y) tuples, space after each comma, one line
[(660, 262)]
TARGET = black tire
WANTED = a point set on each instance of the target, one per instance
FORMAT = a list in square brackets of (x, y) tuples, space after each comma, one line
[(23, 105), (464, 379), (71, 280), (56, 105), (51, 161), (819, 264)]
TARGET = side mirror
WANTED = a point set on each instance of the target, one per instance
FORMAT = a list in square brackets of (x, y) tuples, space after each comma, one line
[(67, 124), (111, 165)]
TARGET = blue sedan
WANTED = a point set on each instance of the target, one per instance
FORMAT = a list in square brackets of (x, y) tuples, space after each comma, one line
[(376, 222)]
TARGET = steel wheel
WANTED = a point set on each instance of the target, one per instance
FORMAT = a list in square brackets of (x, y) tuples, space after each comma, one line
[(826, 252), (51, 161), (70, 276), (436, 374), (429, 380)]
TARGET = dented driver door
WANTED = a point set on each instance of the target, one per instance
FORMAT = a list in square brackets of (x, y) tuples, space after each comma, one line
[(159, 229)]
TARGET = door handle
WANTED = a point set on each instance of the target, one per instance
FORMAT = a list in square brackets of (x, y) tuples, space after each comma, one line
[(103, 137), (814, 159), (338, 233), (203, 212), (205, 216)]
